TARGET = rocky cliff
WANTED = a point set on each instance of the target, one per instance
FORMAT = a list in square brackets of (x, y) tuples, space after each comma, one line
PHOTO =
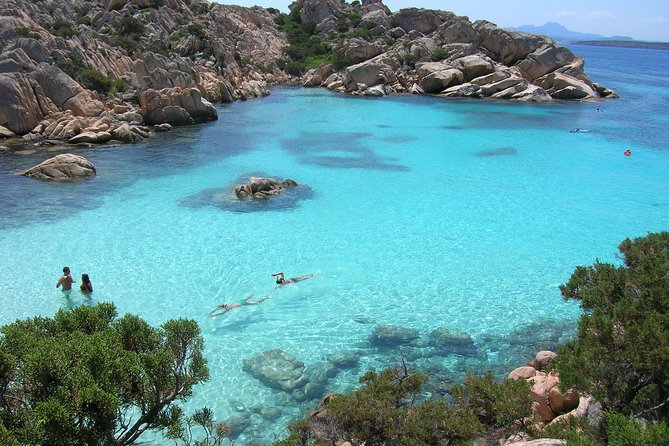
[(437, 52), (103, 70), (112, 68)]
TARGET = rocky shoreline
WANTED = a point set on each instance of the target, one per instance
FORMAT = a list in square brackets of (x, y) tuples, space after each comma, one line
[(114, 71)]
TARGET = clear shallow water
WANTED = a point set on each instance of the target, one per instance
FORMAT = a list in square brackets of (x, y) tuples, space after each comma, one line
[(423, 213)]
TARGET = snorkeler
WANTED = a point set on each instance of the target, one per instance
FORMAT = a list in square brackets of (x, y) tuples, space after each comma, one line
[(228, 307), (281, 280)]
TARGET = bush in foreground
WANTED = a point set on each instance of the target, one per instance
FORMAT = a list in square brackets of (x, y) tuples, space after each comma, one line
[(384, 411), (621, 353), (87, 377)]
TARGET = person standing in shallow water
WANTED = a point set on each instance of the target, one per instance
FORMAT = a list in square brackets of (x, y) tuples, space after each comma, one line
[(86, 285), (65, 282)]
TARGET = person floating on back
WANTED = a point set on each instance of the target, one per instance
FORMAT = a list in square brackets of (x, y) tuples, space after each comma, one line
[(65, 282), (229, 306), (86, 285), (281, 280)]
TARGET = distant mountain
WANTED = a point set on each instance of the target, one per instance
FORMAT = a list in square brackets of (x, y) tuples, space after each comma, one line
[(562, 34)]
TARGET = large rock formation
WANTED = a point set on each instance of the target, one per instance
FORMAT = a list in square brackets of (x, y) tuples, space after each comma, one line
[(58, 60), (165, 62), (437, 52), (549, 400), (64, 167)]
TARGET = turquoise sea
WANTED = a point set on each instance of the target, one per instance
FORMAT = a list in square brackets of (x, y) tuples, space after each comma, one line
[(420, 212)]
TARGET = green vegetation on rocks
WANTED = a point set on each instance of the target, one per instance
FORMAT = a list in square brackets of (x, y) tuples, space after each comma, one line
[(305, 50)]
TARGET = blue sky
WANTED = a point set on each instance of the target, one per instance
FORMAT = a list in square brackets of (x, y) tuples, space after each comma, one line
[(640, 19)]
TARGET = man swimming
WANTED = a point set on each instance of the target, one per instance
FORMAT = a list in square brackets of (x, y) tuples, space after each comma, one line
[(227, 307), (281, 280), (66, 282)]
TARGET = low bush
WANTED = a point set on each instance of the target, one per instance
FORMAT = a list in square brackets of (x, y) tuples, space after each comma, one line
[(625, 431), (95, 80)]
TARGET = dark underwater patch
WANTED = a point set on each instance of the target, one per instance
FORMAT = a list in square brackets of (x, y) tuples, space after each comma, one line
[(316, 149), (502, 151)]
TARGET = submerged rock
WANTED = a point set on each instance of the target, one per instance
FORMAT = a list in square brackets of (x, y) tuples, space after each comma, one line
[(276, 369), (446, 342), (392, 336), (62, 167)]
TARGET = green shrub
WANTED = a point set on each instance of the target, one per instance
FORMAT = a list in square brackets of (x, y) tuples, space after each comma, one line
[(576, 431), (618, 355), (368, 25), (410, 60), (439, 54), (500, 404), (130, 25), (339, 60), (62, 28), (118, 86), (95, 80), (84, 21), (625, 431), (273, 10), (435, 422), (74, 379), (196, 29), (25, 32), (360, 32), (305, 49), (375, 412)]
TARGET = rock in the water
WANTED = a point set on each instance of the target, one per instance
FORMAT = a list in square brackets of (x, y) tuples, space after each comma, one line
[(344, 359), (90, 137), (276, 369), (6, 133), (392, 336), (62, 167), (260, 188), (448, 342), (165, 127)]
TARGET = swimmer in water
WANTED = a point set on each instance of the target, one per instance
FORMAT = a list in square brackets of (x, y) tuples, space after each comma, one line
[(231, 306), (281, 280), (66, 282)]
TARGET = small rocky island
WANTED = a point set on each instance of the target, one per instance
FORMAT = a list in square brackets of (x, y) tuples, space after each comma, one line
[(109, 71), (262, 188), (252, 193)]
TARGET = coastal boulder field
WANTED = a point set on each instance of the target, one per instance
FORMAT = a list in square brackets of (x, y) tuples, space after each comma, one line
[(108, 71), (437, 52)]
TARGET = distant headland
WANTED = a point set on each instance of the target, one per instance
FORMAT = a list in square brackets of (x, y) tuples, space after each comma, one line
[(626, 44), (561, 34)]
